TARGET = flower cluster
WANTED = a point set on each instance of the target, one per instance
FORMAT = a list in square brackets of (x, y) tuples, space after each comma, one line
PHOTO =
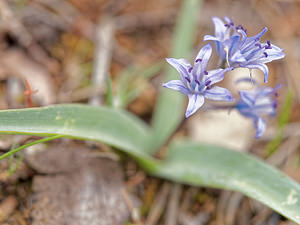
[(235, 49), (238, 50)]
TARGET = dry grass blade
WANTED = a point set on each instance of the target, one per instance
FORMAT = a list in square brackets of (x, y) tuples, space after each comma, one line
[(158, 205), (104, 45)]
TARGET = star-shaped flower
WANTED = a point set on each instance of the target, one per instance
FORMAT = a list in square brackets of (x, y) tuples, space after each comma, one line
[(238, 50), (196, 82), (257, 103)]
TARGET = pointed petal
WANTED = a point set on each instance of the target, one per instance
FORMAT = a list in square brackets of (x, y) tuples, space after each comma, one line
[(215, 76), (261, 67), (256, 37), (244, 35), (218, 94), (238, 57), (177, 85), (268, 90), (211, 38), (235, 41), (219, 27), (181, 65), (248, 97), (274, 53), (201, 60), (260, 126), (195, 102)]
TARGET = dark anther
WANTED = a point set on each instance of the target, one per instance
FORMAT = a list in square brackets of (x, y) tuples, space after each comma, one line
[(205, 72), (240, 27), (207, 82), (275, 104), (228, 25), (276, 94), (197, 82), (266, 54), (198, 60), (190, 69), (188, 79), (268, 46), (258, 45)]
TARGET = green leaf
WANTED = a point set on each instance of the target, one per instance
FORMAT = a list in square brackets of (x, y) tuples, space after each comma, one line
[(217, 167), (169, 110), (114, 127), (186, 162)]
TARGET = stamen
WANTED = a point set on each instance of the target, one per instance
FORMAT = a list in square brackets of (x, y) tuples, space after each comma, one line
[(188, 79), (266, 54), (258, 45), (276, 94), (198, 60), (190, 69), (205, 72), (268, 46), (227, 25), (197, 82), (240, 27), (207, 83), (226, 49), (275, 104)]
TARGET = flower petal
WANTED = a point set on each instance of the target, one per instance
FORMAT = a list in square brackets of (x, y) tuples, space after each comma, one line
[(177, 85), (248, 41), (219, 27), (211, 38), (215, 76), (181, 65), (218, 94), (201, 60), (261, 67), (268, 90), (248, 97), (273, 53), (195, 102), (260, 126)]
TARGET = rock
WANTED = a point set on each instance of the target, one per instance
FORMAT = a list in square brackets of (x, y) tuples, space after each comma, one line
[(77, 188)]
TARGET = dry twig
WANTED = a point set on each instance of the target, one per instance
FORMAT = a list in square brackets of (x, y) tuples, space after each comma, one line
[(104, 45), (158, 205)]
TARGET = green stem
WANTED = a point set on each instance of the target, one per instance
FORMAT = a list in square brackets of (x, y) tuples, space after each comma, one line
[(11, 152)]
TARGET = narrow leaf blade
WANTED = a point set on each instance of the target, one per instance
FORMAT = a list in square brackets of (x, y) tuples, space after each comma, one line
[(218, 167), (114, 127)]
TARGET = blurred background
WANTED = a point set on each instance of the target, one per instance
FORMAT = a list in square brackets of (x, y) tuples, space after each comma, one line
[(64, 51)]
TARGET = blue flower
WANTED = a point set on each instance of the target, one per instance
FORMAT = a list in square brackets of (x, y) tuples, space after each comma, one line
[(196, 82), (233, 45), (256, 104)]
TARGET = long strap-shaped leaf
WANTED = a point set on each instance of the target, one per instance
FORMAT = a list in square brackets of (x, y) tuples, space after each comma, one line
[(217, 167), (186, 163), (114, 127)]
